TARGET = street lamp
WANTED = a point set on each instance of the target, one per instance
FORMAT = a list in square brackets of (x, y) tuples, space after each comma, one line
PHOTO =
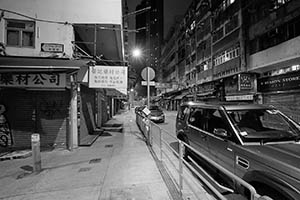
[(136, 53), (147, 73)]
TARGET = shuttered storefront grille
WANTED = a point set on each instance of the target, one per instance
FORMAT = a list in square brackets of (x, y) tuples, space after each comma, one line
[(289, 103), (43, 112)]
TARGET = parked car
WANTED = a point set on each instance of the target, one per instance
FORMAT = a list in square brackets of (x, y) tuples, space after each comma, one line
[(258, 143), (156, 114)]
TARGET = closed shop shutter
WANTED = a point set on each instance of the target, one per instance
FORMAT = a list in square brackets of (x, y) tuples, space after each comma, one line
[(289, 103), (52, 115), (43, 112), (19, 112)]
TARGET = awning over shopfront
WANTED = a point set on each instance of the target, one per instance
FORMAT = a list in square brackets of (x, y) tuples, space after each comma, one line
[(169, 97), (115, 93), (189, 95), (156, 98), (178, 97), (39, 64), (203, 94)]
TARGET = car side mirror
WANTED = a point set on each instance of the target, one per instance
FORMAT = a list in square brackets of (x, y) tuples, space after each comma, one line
[(221, 132)]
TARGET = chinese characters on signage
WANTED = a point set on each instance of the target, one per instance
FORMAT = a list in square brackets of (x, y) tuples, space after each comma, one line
[(52, 47), (245, 81), (39, 80), (239, 98), (108, 77)]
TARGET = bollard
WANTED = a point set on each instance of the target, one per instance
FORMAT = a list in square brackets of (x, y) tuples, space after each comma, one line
[(36, 153)]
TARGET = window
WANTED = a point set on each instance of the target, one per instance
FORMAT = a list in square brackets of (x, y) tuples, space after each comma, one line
[(217, 35), (276, 36), (226, 56), (196, 118), (232, 24), (215, 121), (20, 33)]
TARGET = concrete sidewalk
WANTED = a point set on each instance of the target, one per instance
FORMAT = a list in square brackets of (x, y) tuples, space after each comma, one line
[(118, 166)]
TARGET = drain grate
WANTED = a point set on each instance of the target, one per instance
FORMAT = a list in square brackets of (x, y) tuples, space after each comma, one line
[(84, 169), (108, 146), (96, 160)]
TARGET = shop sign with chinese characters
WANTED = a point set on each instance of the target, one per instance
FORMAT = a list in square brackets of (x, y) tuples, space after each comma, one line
[(108, 77), (39, 80)]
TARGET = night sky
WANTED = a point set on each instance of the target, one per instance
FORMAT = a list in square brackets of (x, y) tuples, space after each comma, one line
[(171, 9)]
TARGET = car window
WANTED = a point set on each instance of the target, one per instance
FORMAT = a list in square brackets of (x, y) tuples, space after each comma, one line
[(260, 125), (197, 118), (216, 121)]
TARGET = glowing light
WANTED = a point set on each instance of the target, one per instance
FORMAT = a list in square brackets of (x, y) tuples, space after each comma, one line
[(136, 53)]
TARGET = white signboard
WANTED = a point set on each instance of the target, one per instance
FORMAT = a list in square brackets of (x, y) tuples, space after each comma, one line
[(108, 77), (40, 80), (35, 137), (163, 85), (239, 98), (151, 83), (52, 47), (146, 111)]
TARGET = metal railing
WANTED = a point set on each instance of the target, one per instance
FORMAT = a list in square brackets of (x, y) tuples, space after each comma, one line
[(183, 172)]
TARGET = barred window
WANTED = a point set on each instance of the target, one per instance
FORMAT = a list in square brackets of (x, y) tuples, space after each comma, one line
[(226, 56)]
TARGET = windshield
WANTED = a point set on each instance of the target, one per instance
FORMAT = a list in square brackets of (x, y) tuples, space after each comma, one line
[(264, 125)]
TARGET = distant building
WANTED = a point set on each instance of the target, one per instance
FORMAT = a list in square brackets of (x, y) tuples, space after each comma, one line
[(150, 34)]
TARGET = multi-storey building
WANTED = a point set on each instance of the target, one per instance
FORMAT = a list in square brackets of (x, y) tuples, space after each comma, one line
[(150, 35), (169, 64), (47, 51), (245, 51), (273, 38)]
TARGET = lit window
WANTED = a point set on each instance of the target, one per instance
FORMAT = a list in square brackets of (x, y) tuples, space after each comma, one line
[(20, 33)]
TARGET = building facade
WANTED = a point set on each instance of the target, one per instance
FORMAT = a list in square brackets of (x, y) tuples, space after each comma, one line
[(232, 50), (273, 52), (48, 50)]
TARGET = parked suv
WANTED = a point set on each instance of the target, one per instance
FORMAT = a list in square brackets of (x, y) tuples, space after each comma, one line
[(256, 142)]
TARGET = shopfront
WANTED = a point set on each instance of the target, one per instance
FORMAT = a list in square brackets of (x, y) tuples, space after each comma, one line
[(39, 96), (282, 91), (241, 88), (206, 92)]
